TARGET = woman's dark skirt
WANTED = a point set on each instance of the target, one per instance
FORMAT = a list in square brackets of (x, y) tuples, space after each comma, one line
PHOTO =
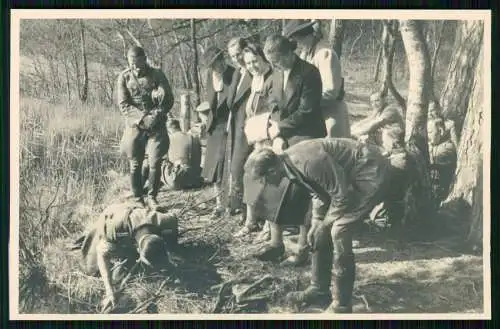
[(215, 153)]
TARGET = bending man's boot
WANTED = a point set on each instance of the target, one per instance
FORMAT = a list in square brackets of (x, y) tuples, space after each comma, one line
[(344, 270)]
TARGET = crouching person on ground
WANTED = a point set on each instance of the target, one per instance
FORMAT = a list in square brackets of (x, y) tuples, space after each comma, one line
[(345, 181), (123, 237), (182, 170)]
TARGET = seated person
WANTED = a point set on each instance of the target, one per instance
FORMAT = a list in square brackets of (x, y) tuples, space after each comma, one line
[(125, 234), (383, 116), (392, 209), (182, 170), (435, 113), (442, 156)]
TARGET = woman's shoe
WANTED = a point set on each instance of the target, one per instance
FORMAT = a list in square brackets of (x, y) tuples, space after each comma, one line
[(246, 230)]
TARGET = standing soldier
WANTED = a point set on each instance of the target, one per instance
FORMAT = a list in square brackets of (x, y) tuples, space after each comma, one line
[(144, 97)]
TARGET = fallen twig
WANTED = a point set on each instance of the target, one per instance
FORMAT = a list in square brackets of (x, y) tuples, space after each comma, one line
[(215, 254), (474, 288), (221, 296), (151, 299), (365, 301), (444, 298), (255, 284)]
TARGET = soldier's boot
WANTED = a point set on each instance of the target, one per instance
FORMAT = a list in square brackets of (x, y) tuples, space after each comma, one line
[(318, 293), (344, 270), (136, 182), (145, 176), (154, 185)]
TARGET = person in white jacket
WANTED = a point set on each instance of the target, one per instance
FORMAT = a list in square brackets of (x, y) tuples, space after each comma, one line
[(312, 48)]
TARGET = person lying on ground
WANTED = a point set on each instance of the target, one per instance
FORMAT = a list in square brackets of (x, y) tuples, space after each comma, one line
[(122, 236), (345, 180)]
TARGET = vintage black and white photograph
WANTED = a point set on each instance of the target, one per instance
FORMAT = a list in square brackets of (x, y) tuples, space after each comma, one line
[(321, 164)]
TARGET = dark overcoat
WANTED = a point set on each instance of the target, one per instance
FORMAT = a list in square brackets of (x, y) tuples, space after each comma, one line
[(213, 166)]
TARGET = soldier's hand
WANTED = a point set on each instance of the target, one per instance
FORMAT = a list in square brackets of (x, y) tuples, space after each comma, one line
[(157, 95), (279, 145), (273, 129), (134, 120), (314, 234)]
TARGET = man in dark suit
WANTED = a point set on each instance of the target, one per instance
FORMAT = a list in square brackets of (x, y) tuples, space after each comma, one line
[(295, 103)]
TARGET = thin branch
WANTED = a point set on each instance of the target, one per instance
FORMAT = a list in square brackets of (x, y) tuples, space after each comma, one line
[(188, 39)]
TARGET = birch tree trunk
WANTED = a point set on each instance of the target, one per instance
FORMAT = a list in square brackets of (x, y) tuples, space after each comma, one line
[(419, 205), (457, 90), (336, 36), (388, 48)]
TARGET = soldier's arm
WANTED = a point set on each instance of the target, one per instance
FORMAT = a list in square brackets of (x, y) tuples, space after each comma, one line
[(123, 99), (388, 116), (333, 195), (104, 250), (164, 85)]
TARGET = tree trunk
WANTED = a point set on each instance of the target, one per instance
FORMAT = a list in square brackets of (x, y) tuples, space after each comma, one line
[(187, 80), (419, 199), (377, 64), (68, 85), (438, 39), (388, 48), (336, 37), (84, 93), (196, 79), (466, 190), (158, 59), (457, 90)]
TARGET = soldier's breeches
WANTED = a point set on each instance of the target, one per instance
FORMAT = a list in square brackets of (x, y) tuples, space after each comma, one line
[(136, 144)]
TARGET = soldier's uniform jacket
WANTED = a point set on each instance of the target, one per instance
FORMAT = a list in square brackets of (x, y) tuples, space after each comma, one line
[(183, 169), (343, 177), (134, 93), (116, 226)]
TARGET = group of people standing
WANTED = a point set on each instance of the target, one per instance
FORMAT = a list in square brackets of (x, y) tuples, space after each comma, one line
[(280, 150)]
